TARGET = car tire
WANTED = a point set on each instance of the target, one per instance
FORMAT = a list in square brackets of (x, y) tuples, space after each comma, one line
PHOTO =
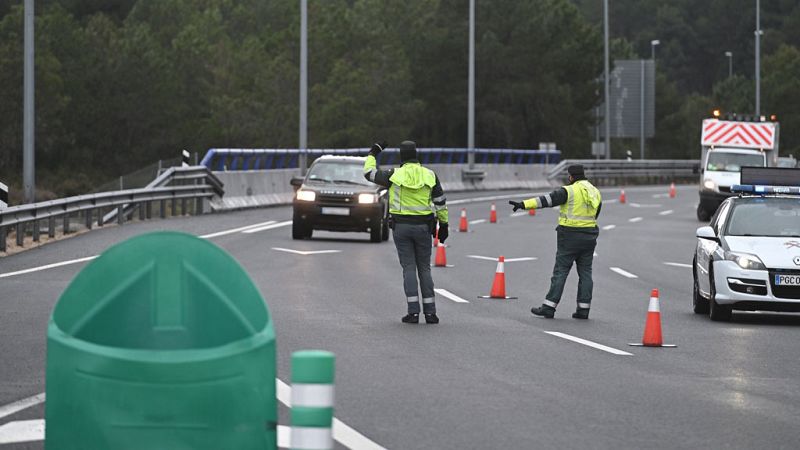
[(385, 230), (699, 304), (376, 233), (300, 230), (717, 312), (702, 214)]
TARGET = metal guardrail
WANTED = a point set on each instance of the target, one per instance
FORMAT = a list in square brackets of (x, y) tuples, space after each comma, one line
[(230, 159), (204, 185), (620, 169)]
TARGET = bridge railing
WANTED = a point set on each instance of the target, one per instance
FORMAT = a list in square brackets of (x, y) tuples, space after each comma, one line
[(233, 159), (183, 190), (608, 171)]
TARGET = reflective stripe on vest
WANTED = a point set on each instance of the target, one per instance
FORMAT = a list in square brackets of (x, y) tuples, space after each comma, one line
[(581, 207), (413, 200)]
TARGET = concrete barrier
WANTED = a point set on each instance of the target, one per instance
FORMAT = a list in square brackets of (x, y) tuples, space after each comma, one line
[(256, 188)]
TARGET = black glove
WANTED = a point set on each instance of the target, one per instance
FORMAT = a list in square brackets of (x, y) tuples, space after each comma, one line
[(377, 148), (444, 232), (516, 205)]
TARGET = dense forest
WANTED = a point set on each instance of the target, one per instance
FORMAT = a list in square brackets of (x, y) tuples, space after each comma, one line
[(123, 83)]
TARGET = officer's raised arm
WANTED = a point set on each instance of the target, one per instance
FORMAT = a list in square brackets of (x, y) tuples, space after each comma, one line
[(371, 172)]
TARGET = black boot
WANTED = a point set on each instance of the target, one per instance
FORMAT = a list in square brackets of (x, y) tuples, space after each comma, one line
[(544, 311), (581, 313), (411, 318), (431, 318)]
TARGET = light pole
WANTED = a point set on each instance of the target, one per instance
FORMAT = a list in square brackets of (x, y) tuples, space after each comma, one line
[(653, 45), (471, 89), (303, 144), (28, 154), (642, 93), (758, 57), (730, 63), (607, 102)]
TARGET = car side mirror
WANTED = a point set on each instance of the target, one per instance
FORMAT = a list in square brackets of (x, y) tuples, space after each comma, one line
[(707, 232), (296, 181)]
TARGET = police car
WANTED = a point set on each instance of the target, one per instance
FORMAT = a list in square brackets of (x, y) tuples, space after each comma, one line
[(335, 196), (748, 258)]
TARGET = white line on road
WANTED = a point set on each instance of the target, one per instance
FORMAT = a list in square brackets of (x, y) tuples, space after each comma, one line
[(473, 222), (660, 195), (645, 205), (488, 258), (22, 431), (519, 214), (450, 295), (235, 230), (589, 343), (635, 219), (688, 266), (306, 253), (623, 272), (665, 213), (49, 266), (508, 260), (611, 201), (268, 227), (609, 227), (19, 405), (343, 433)]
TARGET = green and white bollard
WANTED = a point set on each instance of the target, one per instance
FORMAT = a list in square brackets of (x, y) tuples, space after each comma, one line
[(312, 400)]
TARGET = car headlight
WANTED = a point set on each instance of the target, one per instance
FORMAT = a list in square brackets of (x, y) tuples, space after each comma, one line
[(367, 198), (709, 184), (306, 196), (745, 260)]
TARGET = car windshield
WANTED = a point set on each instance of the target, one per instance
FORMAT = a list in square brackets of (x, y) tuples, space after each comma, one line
[(732, 162), (337, 172), (772, 217)]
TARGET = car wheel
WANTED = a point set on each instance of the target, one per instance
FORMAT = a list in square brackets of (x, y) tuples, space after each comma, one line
[(300, 230), (702, 214), (699, 304), (376, 233), (385, 230), (717, 312)]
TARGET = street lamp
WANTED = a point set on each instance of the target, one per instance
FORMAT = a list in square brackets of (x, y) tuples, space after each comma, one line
[(730, 63), (607, 116), (653, 44), (758, 57), (303, 138), (28, 155), (471, 89)]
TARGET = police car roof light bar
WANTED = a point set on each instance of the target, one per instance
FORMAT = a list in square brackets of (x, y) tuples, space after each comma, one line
[(764, 190)]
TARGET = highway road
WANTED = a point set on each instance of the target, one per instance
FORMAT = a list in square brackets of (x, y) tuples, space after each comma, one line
[(490, 375)]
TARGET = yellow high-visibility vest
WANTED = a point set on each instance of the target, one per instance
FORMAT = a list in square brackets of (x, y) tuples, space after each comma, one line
[(583, 199)]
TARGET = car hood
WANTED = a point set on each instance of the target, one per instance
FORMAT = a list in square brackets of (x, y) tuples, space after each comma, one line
[(774, 252), (340, 188)]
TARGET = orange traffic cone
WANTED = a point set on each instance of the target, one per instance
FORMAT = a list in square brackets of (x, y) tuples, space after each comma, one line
[(499, 284), (622, 196), (672, 191), (462, 227), (652, 327), (441, 257), (493, 214), (532, 212)]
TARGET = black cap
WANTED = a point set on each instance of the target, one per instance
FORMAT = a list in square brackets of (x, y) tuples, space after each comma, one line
[(576, 170), (408, 151)]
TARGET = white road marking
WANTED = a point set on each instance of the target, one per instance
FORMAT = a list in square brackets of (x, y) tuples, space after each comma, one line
[(635, 219), (22, 431), (508, 260), (645, 205), (665, 213), (623, 272), (450, 295), (343, 433), (589, 343), (19, 405), (660, 195), (688, 266), (473, 222), (488, 258), (611, 201), (268, 227), (48, 266), (519, 214), (235, 230), (305, 253), (609, 227)]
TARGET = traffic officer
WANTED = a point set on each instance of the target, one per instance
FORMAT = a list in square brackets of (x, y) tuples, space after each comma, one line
[(416, 203), (580, 204)]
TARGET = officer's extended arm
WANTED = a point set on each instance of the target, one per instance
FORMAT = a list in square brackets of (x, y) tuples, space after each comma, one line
[(371, 172), (439, 202), (555, 198)]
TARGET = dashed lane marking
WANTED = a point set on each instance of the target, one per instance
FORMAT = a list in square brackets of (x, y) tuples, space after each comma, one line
[(688, 266), (267, 227), (666, 213), (48, 266), (473, 222), (635, 219), (519, 214), (624, 273), (235, 230), (609, 227), (645, 205), (304, 253), (508, 260), (19, 405), (602, 347), (450, 295)]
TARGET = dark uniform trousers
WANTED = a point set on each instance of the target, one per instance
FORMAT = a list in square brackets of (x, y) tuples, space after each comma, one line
[(413, 242), (573, 247)]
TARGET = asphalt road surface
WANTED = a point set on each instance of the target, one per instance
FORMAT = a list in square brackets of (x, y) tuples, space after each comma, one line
[(490, 375)]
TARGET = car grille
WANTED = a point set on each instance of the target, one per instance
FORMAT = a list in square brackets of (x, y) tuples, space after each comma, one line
[(335, 199), (792, 292)]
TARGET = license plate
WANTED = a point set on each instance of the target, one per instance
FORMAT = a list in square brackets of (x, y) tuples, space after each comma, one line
[(787, 280), (335, 211)]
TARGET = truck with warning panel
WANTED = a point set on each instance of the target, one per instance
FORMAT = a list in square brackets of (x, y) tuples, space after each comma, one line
[(727, 146)]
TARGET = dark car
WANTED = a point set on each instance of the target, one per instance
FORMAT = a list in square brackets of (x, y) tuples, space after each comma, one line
[(335, 196)]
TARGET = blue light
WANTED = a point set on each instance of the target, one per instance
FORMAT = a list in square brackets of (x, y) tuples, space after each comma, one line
[(762, 190)]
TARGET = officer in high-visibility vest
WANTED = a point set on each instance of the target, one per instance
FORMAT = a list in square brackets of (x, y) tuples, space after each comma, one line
[(580, 204), (416, 203)]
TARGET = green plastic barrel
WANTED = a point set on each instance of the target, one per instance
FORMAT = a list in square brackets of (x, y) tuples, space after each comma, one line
[(163, 342)]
